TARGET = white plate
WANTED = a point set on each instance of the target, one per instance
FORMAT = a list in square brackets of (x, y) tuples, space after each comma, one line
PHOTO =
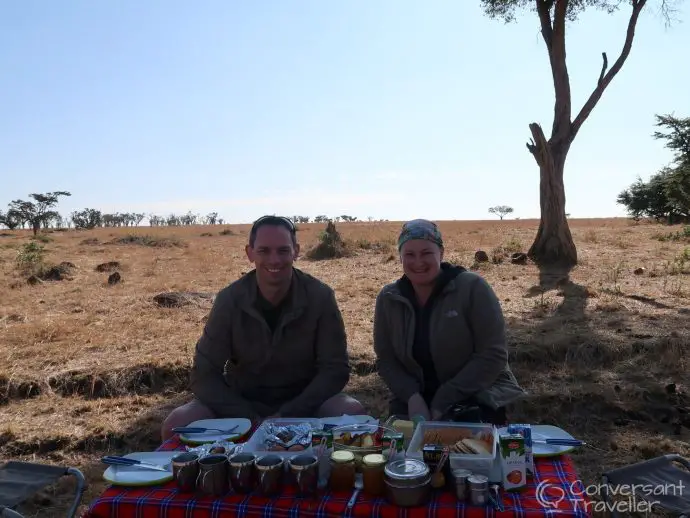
[(135, 476), (547, 431), (243, 426), (331, 422)]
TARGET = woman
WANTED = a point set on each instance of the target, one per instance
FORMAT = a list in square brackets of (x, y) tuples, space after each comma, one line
[(439, 337)]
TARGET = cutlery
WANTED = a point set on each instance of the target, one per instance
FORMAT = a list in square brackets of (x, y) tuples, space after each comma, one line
[(496, 499), (191, 429), (559, 442), (124, 461), (359, 484)]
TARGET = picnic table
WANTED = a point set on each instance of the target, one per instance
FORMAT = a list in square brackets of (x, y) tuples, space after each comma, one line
[(554, 490)]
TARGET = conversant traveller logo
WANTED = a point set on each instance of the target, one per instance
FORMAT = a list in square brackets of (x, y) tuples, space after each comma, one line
[(622, 498)]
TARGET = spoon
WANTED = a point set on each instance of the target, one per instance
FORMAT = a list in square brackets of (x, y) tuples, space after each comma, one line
[(359, 484)]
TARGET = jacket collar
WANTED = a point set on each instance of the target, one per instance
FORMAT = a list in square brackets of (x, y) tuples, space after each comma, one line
[(298, 298)]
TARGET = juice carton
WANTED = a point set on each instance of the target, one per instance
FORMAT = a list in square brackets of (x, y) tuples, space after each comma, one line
[(526, 431), (512, 448)]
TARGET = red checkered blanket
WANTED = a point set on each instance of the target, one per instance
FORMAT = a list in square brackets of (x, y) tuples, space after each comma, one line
[(555, 490)]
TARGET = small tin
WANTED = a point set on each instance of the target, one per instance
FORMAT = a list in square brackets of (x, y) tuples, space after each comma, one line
[(478, 488), (431, 454), (460, 476)]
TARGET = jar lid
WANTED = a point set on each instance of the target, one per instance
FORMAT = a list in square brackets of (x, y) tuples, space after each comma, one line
[(374, 459), (342, 456), (478, 481), (406, 469)]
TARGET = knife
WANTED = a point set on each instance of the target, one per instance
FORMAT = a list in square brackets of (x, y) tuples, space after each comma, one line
[(114, 460)]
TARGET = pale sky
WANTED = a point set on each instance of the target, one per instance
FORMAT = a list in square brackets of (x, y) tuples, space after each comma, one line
[(392, 109)]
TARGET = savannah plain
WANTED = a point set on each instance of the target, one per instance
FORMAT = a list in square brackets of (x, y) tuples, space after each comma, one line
[(89, 368)]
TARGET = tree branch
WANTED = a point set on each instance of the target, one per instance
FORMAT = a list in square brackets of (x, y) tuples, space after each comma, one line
[(606, 78), (544, 10), (560, 130), (538, 145), (604, 65)]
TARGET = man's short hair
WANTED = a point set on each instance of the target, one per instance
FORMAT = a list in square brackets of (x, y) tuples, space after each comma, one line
[(276, 221)]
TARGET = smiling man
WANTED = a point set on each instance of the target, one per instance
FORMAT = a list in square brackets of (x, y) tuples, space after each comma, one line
[(274, 344)]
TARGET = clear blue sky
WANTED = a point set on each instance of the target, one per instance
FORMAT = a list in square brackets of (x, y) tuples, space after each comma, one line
[(388, 108)]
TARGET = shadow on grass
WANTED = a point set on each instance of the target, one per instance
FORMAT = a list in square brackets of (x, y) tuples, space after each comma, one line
[(608, 375)]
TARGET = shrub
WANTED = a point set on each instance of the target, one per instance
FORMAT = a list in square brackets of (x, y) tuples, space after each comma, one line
[(330, 246)]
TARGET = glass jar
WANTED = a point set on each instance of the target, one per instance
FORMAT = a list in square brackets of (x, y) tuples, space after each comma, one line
[(343, 470), (373, 476)]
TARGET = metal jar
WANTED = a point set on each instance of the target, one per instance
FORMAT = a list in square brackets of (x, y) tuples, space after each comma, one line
[(460, 477), (408, 482), (478, 488)]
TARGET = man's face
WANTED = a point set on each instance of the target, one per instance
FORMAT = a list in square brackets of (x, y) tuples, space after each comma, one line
[(273, 254)]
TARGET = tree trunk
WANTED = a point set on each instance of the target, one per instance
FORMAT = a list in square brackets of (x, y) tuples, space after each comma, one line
[(553, 244)]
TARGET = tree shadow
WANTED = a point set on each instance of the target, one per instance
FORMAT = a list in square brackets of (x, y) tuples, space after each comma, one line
[(588, 367)]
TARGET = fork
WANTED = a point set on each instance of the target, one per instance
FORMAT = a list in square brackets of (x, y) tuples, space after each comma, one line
[(191, 429)]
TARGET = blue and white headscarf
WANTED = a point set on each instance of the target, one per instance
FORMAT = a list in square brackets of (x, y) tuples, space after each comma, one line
[(420, 229)]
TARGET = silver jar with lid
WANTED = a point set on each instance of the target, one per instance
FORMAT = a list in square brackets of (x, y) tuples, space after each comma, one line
[(408, 482), (460, 477), (478, 488)]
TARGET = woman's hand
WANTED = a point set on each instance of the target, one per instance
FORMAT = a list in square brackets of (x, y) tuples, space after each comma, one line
[(417, 406)]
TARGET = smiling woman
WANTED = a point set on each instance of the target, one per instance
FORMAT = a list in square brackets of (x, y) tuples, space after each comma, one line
[(439, 336)]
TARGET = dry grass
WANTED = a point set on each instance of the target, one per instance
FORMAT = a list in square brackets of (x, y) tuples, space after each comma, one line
[(89, 368)]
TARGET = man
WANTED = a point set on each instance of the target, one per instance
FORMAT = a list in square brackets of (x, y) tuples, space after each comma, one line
[(274, 344)]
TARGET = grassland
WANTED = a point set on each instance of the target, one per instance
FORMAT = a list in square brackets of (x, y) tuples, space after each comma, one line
[(89, 368)]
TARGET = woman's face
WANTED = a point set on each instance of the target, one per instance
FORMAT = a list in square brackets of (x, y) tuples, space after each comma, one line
[(421, 261)]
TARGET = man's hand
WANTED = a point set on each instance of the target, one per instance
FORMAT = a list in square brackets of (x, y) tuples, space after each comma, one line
[(417, 406)]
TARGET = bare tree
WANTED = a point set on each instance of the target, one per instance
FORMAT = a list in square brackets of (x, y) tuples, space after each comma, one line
[(553, 243)]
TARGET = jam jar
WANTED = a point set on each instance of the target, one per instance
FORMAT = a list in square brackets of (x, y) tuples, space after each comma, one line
[(373, 476), (343, 470)]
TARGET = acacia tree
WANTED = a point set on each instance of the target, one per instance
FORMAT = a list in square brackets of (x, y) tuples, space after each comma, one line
[(501, 210), (553, 243), (38, 212)]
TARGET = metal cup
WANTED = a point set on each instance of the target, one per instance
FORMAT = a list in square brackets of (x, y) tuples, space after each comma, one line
[(305, 471), (269, 470), (213, 475), (185, 470), (242, 472)]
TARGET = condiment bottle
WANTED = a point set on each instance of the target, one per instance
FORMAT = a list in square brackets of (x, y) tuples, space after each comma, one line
[(342, 477), (373, 475)]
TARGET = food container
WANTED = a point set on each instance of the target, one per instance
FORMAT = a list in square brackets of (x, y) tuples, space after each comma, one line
[(408, 482), (257, 442), (478, 489), (373, 474), (448, 434), (343, 471), (460, 477), (361, 440)]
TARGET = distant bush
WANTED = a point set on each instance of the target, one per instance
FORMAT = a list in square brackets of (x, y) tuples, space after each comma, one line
[(147, 240), (30, 257), (330, 246), (681, 235)]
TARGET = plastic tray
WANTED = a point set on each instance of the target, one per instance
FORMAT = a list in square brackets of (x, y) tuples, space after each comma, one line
[(477, 463), (255, 444)]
